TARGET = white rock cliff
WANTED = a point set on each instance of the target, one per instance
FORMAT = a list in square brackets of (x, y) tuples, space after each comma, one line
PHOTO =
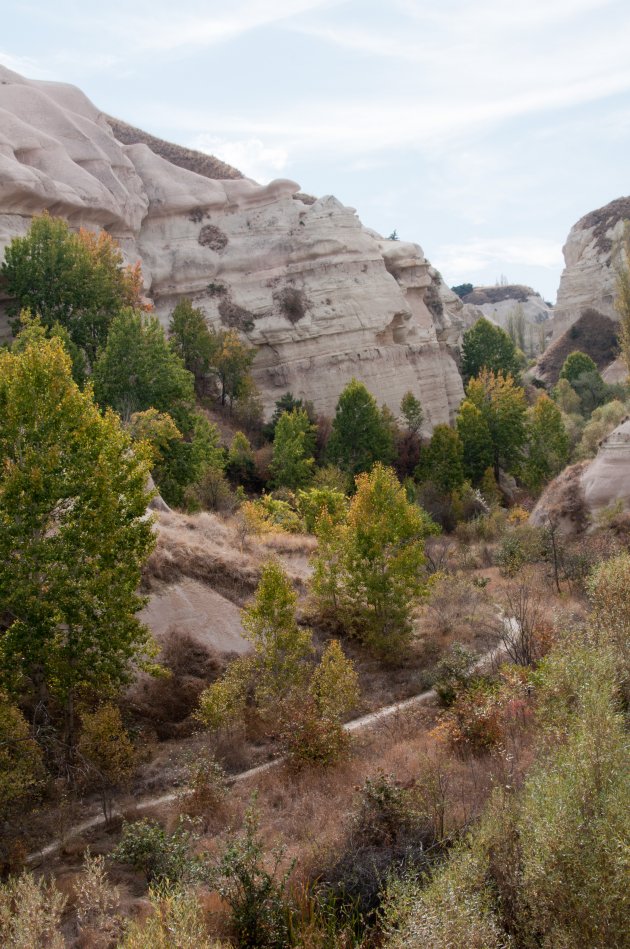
[(321, 297), (590, 254)]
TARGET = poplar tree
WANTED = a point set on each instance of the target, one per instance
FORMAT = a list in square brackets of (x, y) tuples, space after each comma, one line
[(73, 535)]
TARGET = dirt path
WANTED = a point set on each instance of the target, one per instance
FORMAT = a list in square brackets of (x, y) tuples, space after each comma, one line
[(356, 725)]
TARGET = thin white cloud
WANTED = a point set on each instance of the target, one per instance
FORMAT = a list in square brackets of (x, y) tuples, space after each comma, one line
[(161, 29), (24, 65), (478, 254), (251, 156)]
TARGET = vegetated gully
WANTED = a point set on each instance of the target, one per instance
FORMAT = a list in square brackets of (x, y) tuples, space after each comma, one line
[(364, 723)]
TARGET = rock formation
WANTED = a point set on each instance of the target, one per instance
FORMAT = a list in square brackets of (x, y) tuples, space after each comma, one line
[(583, 491), (592, 333), (588, 279), (503, 304), (321, 297)]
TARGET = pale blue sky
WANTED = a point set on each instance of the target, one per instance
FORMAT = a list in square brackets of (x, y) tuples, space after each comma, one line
[(482, 130)]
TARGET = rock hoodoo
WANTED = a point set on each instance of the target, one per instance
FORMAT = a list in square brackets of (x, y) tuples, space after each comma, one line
[(321, 297), (588, 279), (583, 491)]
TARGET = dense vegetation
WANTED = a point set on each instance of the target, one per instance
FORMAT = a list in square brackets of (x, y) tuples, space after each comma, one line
[(504, 820)]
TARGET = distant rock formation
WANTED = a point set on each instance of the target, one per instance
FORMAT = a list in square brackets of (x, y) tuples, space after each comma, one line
[(588, 279), (575, 498), (503, 304), (592, 333), (321, 297)]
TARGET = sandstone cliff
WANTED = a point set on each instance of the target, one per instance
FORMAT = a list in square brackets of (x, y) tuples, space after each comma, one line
[(588, 279), (581, 492), (321, 297)]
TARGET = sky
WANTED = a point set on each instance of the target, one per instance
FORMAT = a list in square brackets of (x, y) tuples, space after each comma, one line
[(481, 130)]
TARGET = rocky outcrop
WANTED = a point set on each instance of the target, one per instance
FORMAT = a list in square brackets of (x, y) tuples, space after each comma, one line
[(590, 254), (583, 491), (321, 297), (592, 333), (507, 304)]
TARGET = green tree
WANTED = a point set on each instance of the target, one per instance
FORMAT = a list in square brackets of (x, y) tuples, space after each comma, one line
[(442, 460), (73, 535), (231, 364), (334, 685), (463, 289), (367, 572), (286, 403), (478, 453), (280, 665), (486, 346), (138, 370), (292, 461), (241, 465), (503, 406), (412, 413), (575, 365), (21, 764), (76, 280), (547, 443), (359, 438), (192, 341), (566, 398)]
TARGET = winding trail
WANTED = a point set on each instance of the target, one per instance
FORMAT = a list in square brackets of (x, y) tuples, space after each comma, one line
[(364, 723)]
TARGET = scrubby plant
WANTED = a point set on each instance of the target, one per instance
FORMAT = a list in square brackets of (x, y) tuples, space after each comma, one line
[(106, 753), (258, 897), (30, 914), (177, 920), (159, 855)]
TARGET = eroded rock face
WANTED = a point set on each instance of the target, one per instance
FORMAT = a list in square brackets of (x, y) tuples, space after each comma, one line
[(321, 297), (581, 492), (588, 279)]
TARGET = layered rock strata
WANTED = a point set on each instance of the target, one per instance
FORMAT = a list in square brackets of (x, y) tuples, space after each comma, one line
[(321, 297), (590, 254)]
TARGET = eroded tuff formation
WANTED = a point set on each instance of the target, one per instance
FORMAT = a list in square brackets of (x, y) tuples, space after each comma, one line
[(580, 493), (500, 302), (590, 254), (321, 297)]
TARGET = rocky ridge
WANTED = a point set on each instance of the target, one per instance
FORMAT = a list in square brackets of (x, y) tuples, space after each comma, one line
[(321, 297), (590, 254)]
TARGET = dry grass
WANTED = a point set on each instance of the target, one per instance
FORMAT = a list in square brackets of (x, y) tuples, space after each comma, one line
[(199, 162), (204, 548)]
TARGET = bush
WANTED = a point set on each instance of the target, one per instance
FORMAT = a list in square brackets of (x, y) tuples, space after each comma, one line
[(177, 923), (309, 738), (453, 673), (388, 833), (161, 856), (30, 914), (205, 789), (258, 898), (521, 546), (107, 752)]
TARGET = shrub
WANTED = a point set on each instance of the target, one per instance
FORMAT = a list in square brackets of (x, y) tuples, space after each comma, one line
[(206, 787), (161, 856), (97, 901), (313, 502), (453, 673), (521, 546), (257, 897), (388, 833), (107, 751), (177, 921), (30, 914), (21, 764), (309, 738)]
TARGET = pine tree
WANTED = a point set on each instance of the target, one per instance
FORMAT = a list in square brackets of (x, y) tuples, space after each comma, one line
[(359, 437), (486, 346), (292, 461), (442, 460)]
